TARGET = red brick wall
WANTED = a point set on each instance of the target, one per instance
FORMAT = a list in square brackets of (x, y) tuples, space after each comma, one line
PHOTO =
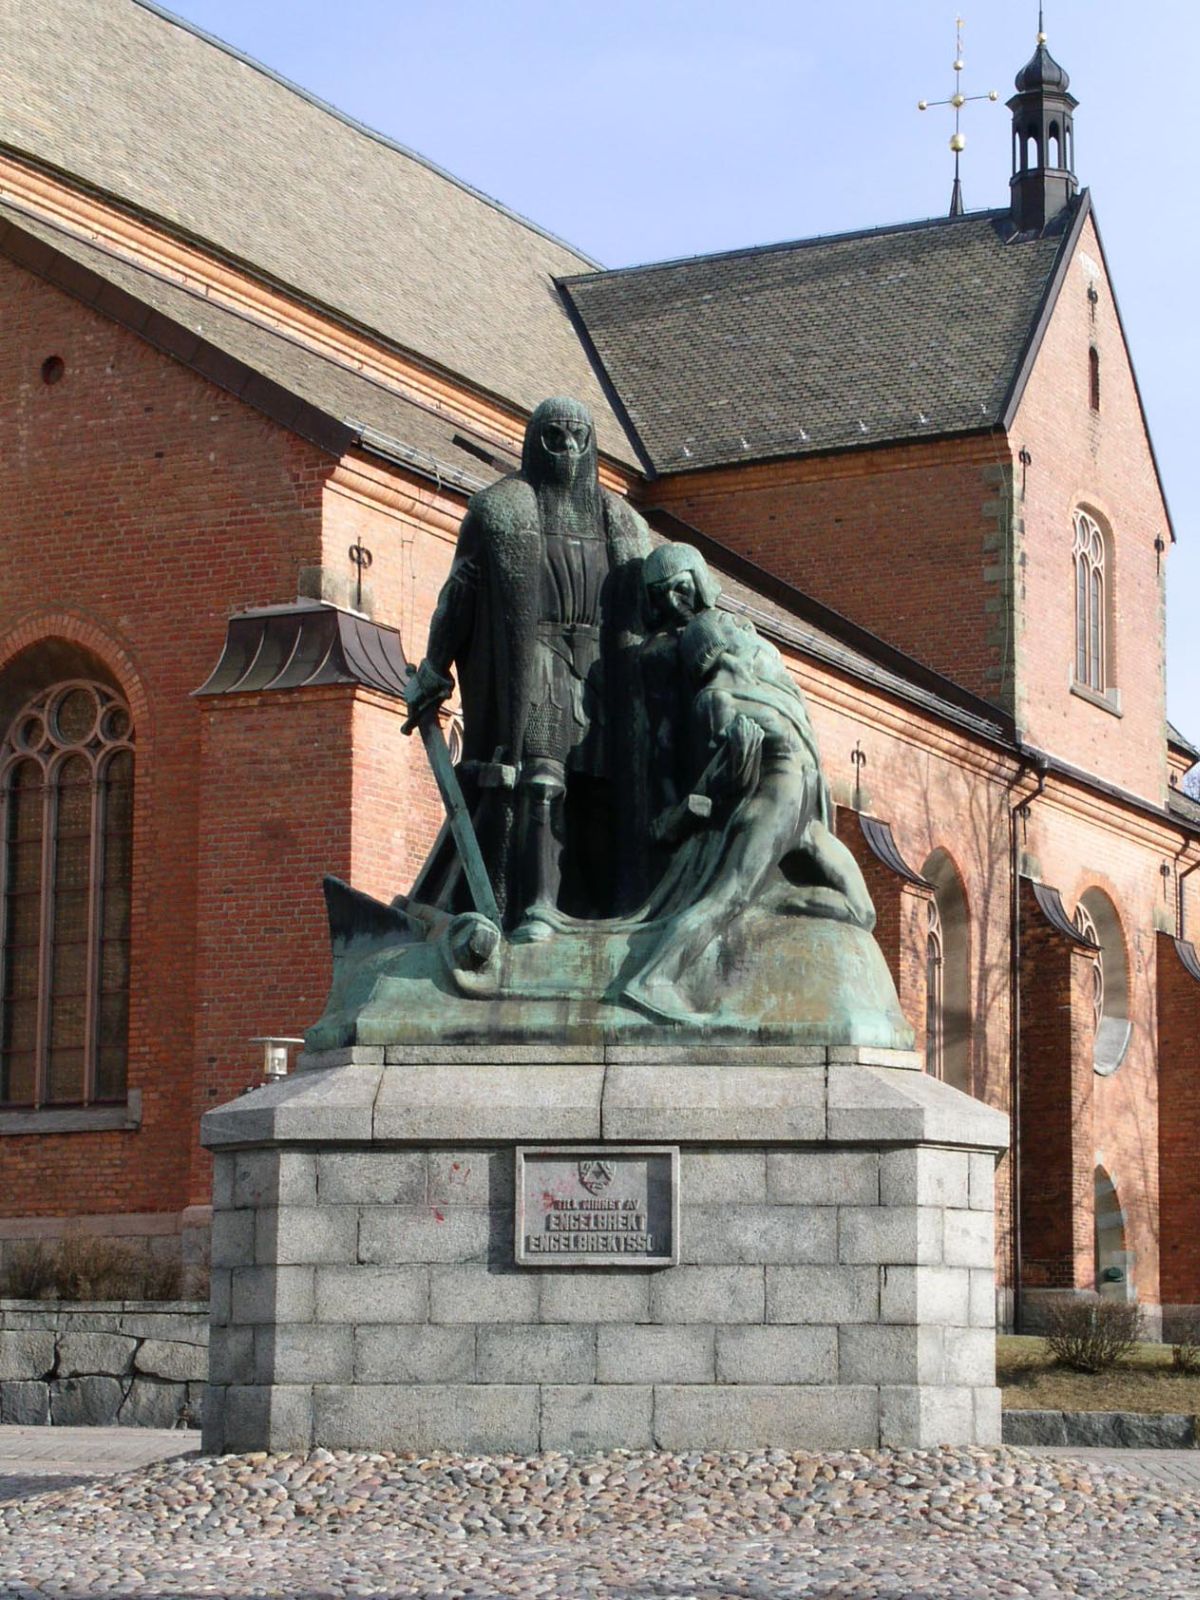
[(396, 808), (1057, 1142), (277, 776), (902, 923), (243, 804), (906, 541), (148, 505), (938, 790), (1078, 852), (1102, 461), (1179, 1130)]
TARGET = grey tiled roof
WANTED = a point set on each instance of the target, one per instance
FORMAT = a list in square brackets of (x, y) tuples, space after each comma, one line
[(1182, 805), (344, 396), (142, 107), (896, 334), (1176, 738)]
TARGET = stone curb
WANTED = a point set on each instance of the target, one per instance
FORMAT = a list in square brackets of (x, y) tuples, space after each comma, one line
[(1120, 1430)]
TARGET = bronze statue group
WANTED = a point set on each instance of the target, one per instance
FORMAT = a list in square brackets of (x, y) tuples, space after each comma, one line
[(634, 755)]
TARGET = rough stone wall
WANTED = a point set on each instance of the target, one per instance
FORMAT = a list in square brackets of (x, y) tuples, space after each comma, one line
[(146, 505), (824, 1296), (109, 1364)]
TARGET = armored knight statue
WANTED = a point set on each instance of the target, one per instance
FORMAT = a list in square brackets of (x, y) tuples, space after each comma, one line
[(539, 618)]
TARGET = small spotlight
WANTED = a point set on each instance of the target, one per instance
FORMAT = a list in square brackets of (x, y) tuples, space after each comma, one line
[(275, 1056)]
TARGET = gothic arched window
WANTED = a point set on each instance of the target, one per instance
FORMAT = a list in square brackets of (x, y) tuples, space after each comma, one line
[(935, 962), (1086, 924), (1091, 604), (66, 837), (1097, 920)]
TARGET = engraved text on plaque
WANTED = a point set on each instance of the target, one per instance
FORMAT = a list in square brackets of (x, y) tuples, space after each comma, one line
[(608, 1205)]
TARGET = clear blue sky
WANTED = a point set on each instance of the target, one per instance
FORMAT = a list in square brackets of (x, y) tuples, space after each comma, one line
[(644, 129)]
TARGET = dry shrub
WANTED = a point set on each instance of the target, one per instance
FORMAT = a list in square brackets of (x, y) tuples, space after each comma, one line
[(161, 1279), (83, 1267), (28, 1272), (95, 1268), (1185, 1350), (1092, 1335)]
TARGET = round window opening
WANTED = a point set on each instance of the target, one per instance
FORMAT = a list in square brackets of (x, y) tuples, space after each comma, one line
[(1097, 921), (53, 369)]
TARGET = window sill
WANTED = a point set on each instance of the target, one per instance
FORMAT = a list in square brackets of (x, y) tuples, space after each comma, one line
[(76, 1119), (1109, 701)]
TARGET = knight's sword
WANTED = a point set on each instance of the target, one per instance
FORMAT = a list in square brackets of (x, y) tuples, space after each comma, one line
[(457, 815)]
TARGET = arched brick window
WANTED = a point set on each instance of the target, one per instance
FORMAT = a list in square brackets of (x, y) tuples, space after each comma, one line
[(948, 975), (1091, 604), (66, 836)]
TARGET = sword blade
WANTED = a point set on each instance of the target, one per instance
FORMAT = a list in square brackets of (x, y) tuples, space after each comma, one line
[(458, 817)]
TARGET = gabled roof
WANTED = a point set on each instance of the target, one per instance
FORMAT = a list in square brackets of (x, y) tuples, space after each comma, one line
[(1182, 744), (894, 334), (137, 104)]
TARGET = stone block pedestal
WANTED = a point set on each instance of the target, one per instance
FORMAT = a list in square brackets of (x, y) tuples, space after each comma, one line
[(834, 1285)]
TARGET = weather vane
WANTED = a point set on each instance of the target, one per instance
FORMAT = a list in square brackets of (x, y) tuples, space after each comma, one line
[(958, 139)]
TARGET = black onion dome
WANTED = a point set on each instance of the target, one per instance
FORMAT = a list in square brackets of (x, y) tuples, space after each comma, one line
[(1042, 72)]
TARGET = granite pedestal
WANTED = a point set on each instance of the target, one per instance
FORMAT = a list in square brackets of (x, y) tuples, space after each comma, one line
[(834, 1285)]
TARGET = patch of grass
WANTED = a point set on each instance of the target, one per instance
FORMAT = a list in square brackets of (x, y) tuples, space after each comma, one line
[(1146, 1380)]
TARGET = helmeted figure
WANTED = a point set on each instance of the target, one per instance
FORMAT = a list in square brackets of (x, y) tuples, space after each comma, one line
[(540, 620)]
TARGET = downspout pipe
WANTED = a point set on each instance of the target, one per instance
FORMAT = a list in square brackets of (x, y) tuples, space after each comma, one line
[(1018, 814)]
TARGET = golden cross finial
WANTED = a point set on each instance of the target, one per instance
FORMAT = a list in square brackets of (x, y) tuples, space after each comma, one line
[(958, 139)]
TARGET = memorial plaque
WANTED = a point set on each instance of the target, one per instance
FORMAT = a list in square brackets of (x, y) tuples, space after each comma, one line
[(603, 1206)]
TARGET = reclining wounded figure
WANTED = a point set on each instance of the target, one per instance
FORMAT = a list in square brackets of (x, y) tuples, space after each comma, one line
[(759, 815)]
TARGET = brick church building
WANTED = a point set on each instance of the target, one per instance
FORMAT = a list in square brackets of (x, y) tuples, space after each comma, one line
[(249, 347)]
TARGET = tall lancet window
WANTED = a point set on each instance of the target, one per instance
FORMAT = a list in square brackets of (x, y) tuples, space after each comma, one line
[(1091, 604), (66, 837)]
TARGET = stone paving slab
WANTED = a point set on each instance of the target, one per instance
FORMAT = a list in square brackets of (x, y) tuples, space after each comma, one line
[(1179, 1469), (93, 1449), (37, 1460)]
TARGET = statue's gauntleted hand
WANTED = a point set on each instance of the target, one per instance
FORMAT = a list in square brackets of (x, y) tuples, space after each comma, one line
[(426, 687)]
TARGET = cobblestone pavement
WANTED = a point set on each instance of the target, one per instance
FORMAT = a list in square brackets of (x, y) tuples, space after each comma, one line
[(946, 1524)]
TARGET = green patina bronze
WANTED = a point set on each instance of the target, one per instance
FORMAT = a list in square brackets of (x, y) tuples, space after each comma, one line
[(641, 781)]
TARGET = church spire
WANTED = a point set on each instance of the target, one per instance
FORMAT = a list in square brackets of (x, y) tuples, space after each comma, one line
[(1043, 180)]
